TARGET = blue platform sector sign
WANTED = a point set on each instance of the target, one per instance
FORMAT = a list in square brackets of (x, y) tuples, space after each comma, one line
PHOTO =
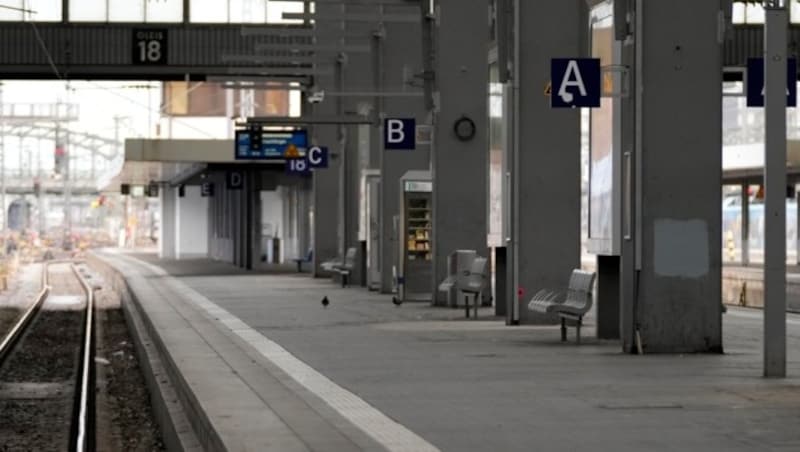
[(576, 82), (298, 166), (234, 180), (755, 82), (400, 134), (317, 157), (274, 145)]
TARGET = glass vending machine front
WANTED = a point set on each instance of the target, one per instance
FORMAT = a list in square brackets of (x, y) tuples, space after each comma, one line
[(417, 247)]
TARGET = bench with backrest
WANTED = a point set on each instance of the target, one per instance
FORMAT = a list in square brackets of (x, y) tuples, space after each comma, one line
[(302, 260), (570, 306), (473, 283), (346, 267)]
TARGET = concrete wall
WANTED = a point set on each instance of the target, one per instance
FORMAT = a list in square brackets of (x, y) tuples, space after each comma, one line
[(191, 223)]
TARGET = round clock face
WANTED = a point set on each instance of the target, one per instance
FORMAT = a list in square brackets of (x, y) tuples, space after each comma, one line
[(464, 128)]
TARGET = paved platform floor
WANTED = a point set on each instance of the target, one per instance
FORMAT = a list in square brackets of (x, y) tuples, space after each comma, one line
[(481, 386)]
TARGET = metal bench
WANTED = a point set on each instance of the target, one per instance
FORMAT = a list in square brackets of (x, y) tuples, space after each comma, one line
[(573, 306), (346, 266), (302, 260), (473, 283)]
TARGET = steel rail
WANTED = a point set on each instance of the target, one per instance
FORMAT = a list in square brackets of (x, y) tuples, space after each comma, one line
[(82, 440), (11, 337)]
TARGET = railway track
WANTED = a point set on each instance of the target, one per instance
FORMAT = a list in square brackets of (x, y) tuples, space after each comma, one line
[(47, 367)]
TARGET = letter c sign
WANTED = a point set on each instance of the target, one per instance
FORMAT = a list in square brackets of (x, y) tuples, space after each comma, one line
[(318, 157)]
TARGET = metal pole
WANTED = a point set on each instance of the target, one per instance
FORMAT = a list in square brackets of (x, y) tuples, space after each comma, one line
[(513, 173), (775, 45), (745, 241), (341, 62), (67, 179), (40, 200)]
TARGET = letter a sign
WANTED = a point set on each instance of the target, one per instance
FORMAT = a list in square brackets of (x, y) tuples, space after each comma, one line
[(400, 134), (576, 82), (755, 82)]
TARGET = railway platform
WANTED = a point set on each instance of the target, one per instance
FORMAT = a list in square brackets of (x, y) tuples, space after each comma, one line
[(257, 363)]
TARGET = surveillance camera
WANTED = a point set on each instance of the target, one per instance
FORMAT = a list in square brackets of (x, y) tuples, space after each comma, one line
[(316, 97)]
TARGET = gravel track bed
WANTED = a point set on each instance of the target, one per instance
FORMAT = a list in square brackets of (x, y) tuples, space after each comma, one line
[(8, 316), (123, 398)]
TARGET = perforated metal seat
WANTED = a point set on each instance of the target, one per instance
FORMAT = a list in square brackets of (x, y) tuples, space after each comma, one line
[(347, 266), (474, 282), (573, 306)]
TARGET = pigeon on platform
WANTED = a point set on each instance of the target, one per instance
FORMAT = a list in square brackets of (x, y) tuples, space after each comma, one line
[(325, 302), (396, 301)]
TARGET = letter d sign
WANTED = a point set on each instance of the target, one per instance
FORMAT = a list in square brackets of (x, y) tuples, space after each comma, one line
[(399, 134)]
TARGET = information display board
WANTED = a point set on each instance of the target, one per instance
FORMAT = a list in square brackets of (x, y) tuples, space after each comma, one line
[(274, 145)]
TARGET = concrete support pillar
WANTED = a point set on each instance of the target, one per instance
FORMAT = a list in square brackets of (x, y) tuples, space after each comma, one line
[(253, 215), (327, 205), (459, 160), (303, 222), (545, 161), (167, 245), (672, 273), (191, 224), (401, 51), (326, 215)]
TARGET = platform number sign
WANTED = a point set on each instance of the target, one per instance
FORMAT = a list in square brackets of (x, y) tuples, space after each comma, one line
[(149, 46), (298, 166)]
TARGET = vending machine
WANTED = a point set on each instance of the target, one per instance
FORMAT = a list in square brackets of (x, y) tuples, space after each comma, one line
[(415, 234)]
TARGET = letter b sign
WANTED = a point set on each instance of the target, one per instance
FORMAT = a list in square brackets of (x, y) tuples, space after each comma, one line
[(399, 134)]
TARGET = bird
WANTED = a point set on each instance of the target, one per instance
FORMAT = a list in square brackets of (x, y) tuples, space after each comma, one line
[(396, 301), (325, 302)]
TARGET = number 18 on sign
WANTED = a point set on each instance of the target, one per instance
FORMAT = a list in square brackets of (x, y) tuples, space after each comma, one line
[(298, 166), (149, 46)]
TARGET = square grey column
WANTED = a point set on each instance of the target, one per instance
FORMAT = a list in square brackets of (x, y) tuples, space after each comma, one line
[(191, 224), (328, 226), (167, 244), (546, 196), (461, 150), (402, 56), (675, 306)]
